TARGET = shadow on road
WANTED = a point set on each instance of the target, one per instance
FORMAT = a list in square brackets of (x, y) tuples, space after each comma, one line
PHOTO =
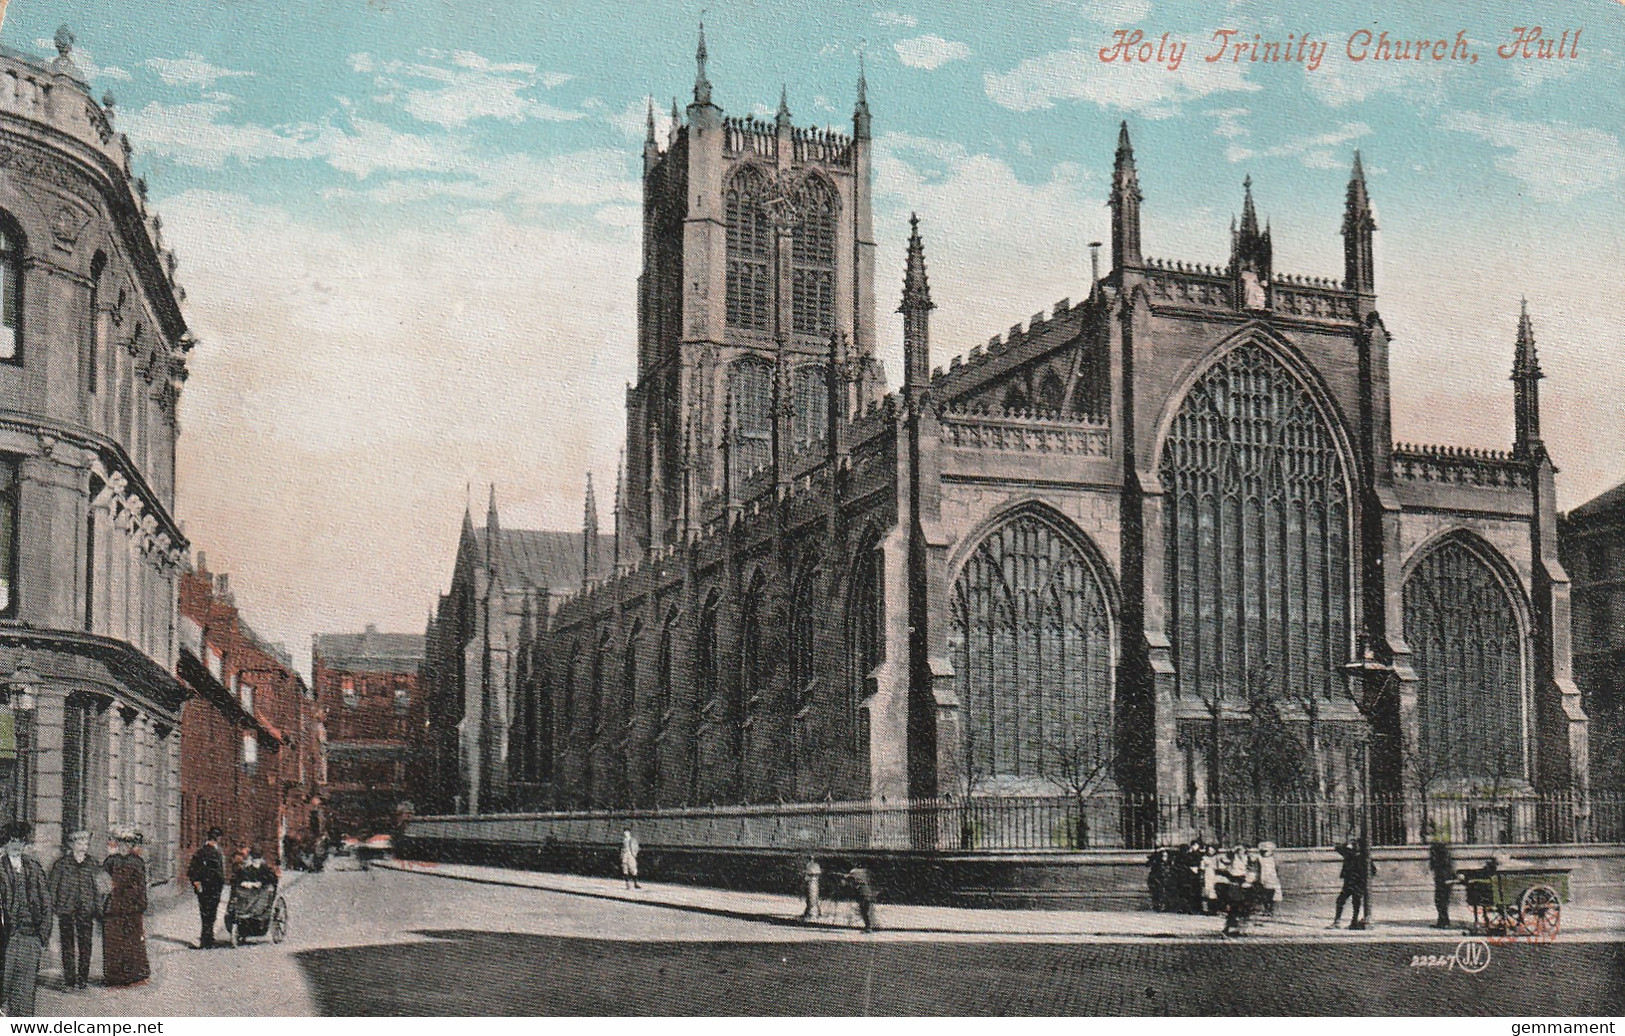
[(459, 972)]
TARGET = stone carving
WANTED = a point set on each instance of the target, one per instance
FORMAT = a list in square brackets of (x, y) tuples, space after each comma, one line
[(1024, 435), (1491, 469), (66, 226)]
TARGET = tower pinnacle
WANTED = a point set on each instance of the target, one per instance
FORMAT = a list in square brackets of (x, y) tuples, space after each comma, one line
[(1359, 268), (916, 309), (1125, 205), (782, 117), (702, 85), (1526, 375), (860, 110)]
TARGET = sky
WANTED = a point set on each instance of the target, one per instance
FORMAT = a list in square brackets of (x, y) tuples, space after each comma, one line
[(408, 229)]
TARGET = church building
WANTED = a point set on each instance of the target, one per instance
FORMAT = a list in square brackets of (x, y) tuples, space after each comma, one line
[(1160, 537)]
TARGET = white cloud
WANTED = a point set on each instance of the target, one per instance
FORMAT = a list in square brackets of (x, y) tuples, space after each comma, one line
[(930, 51), (192, 70), (1079, 75), (896, 19), (1555, 161), (465, 87), (1227, 122), (1108, 12), (194, 135), (1321, 151)]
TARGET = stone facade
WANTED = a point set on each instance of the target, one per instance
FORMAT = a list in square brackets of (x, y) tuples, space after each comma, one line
[(92, 357), (1592, 538), (373, 710), (1159, 540)]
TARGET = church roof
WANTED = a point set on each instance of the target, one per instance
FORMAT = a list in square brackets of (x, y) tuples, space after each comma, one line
[(370, 646), (543, 558), (1613, 499)]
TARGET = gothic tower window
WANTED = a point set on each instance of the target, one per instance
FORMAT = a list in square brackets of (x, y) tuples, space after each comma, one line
[(865, 624), (1031, 643), (810, 388), (812, 261), (1463, 626), (750, 252), (11, 291), (750, 391), (1257, 530)]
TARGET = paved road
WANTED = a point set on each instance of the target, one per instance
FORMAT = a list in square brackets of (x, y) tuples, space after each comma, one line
[(394, 943)]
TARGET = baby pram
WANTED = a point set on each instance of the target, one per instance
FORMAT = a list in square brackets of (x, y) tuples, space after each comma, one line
[(256, 910)]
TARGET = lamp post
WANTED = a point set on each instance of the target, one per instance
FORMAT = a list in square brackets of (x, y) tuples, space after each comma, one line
[(21, 695), (1369, 684)]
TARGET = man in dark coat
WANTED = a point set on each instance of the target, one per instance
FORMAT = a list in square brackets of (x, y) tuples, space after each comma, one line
[(77, 902), (25, 902), (1442, 862), (207, 873), (863, 890), (1356, 873)]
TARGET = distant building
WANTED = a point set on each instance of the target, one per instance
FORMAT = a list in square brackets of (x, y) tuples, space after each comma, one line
[(1592, 540), (248, 731), (483, 719), (92, 357), (368, 688)]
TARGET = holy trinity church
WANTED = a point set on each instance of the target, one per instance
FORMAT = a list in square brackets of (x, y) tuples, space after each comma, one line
[(1108, 541)]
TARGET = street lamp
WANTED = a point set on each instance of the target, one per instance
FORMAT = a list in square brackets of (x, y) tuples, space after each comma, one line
[(21, 695), (1369, 684)]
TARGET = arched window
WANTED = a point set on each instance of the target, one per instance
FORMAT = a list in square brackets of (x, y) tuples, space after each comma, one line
[(1258, 551), (96, 336), (11, 292), (803, 626), (1463, 626), (567, 702), (752, 665), (750, 252), (629, 680), (1031, 643), (811, 393), (812, 261), (865, 638), (707, 668), (595, 702), (1051, 393), (750, 391), (664, 671)]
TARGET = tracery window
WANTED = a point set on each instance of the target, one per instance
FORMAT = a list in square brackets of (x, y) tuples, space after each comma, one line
[(1258, 550), (663, 670), (1463, 627), (812, 261), (865, 626), (753, 665), (750, 391), (750, 252), (810, 389), (1031, 645), (706, 663), (629, 679)]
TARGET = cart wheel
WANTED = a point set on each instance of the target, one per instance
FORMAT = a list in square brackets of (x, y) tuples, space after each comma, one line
[(279, 920), (1539, 913)]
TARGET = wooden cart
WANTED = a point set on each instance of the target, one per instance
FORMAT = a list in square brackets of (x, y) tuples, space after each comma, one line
[(1522, 903)]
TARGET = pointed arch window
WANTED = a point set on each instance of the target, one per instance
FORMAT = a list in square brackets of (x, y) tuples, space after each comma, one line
[(812, 261), (1030, 638), (749, 252), (865, 625), (810, 388), (629, 679), (1464, 630), (750, 393), (664, 670), (707, 667), (1258, 545)]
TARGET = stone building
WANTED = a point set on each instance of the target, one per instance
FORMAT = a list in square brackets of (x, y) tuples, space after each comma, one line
[(1592, 539), (1158, 540), (249, 732), (92, 357), (372, 707)]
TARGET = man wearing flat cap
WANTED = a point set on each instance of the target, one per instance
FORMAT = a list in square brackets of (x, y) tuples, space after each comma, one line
[(207, 873)]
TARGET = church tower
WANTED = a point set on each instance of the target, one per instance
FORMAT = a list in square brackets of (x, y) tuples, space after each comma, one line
[(758, 247)]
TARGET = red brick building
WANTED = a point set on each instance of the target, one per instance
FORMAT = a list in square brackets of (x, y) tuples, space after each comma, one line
[(248, 748), (373, 722)]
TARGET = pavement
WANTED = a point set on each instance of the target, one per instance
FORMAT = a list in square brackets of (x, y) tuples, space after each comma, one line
[(410, 940)]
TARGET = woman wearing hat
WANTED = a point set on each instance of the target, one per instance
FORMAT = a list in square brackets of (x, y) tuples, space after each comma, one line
[(124, 935)]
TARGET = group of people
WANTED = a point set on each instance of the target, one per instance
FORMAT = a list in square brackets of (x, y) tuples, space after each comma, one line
[(855, 882), (1198, 878), (78, 891), (207, 873)]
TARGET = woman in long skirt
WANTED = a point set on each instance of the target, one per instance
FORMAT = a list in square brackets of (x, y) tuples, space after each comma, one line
[(124, 935)]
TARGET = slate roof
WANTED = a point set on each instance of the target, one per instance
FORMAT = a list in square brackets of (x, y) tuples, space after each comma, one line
[(369, 646), (542, 558), (1611, 500)]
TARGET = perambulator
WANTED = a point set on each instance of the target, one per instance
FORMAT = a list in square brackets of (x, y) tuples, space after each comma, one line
[(256, 910)]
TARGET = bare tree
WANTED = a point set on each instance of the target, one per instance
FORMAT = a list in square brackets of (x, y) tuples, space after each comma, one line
[(1080, 765)]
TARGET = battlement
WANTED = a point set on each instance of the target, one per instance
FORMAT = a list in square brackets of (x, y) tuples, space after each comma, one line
[(749, 135), (962, 367)]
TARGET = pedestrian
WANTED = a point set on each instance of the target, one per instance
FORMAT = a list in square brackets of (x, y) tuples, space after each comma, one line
[(1208, 867), (25, 905), (76, 896), (124, 932), (1237, 890), (863, 890), (629, 858), (811, 875), (207, 873), (1356, 873), (1269, 877), (1442, 862)]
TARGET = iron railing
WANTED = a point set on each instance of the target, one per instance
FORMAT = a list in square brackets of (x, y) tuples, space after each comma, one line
[(1060, 823)]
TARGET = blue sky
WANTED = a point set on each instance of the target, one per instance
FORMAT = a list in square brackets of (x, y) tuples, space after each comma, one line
[(409, 227)]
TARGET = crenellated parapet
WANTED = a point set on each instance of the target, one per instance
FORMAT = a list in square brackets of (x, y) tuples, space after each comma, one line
[(1172, 282), (1460, 465)]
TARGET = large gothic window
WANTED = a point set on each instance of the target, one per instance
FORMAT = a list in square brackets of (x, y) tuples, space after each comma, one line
[(812, 261), (865, 631), (750, 252), (1031, 644), (1463, 627), (750, 394), (1257, 533), (810, 388)]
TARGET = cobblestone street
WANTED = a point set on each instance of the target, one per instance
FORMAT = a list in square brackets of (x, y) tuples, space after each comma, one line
[(468, 941)]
